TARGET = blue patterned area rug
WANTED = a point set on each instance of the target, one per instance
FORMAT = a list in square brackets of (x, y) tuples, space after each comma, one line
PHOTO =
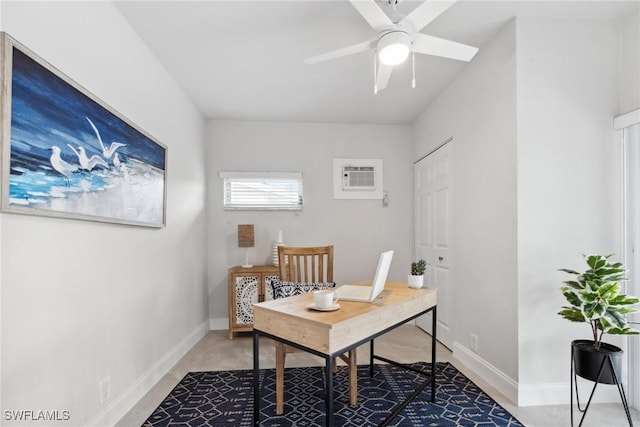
[(225, 398)]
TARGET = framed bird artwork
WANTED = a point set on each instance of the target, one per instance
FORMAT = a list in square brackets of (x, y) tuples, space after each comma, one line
[(67, 154)]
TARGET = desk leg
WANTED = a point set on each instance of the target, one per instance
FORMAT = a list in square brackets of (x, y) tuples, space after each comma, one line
[(433, 354), (328, 391), (256, 379), (371, 359)]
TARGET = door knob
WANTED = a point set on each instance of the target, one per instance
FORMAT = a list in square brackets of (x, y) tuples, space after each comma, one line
[(440, 258)]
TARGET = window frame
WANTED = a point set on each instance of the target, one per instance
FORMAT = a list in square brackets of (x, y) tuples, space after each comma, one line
[(259, 178)]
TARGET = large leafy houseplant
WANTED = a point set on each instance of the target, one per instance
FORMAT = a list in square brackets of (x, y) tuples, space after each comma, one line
[(594, 298)]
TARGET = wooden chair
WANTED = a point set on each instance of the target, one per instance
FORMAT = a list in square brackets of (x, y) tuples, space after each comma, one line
[(309, 265)]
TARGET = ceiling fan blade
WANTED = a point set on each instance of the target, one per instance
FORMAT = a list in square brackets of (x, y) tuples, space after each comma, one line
[(430, 45), (424, 14), (372, 13), (356, 48), (384, 72)]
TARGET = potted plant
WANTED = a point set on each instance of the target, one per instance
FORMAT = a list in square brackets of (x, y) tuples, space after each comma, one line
[(594, 298), (416, 278)]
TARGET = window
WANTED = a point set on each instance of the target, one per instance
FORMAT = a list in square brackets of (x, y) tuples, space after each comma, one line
[(262, 190), (628, 126)]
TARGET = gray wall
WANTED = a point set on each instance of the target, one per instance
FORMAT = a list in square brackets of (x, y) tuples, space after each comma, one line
[(537, 182), (629, 63), (569, 183), (82, 301), (358, 229), (479, 111)]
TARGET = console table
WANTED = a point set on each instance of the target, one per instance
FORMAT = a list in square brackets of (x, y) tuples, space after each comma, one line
[(246, 287)]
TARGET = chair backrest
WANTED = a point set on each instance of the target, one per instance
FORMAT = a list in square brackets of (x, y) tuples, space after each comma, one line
[(306, 265)]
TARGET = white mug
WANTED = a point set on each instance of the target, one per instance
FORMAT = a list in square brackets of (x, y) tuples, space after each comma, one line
[(325, 298)]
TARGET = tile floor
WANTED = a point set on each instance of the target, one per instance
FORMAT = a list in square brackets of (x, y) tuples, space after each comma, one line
[(405, 344)]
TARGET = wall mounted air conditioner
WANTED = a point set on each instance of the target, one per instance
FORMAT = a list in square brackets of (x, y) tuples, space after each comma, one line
[(358, 178)]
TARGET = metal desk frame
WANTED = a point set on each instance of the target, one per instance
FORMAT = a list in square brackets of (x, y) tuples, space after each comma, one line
[(328, 371)]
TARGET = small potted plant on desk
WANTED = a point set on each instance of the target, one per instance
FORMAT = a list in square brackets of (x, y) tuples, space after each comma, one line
[(416, 278), (594, 298)]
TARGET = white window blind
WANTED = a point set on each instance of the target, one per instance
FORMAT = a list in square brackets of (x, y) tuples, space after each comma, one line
[(262, 190)]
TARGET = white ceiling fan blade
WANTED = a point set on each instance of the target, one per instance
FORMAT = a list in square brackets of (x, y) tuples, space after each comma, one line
[(372, 13), (424, 14), (430, 45), (360, 47), (383, 74)]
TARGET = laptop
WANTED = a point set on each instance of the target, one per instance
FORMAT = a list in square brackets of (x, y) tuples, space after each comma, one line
[(368, 293)]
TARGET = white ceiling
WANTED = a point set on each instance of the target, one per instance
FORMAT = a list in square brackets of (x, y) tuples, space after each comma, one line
[(243, 60)]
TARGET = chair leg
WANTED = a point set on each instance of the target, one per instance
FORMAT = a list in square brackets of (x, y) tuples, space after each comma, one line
[(280, 360), (352, 366), (353, 378), (280, 356)]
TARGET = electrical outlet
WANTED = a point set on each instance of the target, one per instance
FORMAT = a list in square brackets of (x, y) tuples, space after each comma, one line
[(474, 342), (105, 390)]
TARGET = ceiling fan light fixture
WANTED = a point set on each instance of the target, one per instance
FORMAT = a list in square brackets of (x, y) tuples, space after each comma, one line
[(394, 47)]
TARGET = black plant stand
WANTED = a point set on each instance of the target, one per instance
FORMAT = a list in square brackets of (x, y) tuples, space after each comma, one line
[(574, 381)]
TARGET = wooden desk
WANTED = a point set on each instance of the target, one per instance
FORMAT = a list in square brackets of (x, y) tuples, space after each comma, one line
[(329, 334)]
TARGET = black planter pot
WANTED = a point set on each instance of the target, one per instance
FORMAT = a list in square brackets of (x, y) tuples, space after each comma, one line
[(588, 361)]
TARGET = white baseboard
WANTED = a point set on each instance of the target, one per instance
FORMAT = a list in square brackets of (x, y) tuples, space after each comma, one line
[(560, 393), (502, 382), (123, 403), (533, 394), (219, 324)]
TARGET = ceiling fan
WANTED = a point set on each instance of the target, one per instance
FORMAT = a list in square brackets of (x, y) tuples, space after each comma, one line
[(398, 36)]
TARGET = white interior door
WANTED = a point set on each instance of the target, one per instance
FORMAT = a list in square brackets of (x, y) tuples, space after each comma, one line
[(433, 234)]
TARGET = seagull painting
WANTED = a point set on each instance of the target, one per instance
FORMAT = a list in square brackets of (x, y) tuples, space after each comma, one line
[(87, 163), (119, 165), (62, 167), (68, 154), (106, 152)]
